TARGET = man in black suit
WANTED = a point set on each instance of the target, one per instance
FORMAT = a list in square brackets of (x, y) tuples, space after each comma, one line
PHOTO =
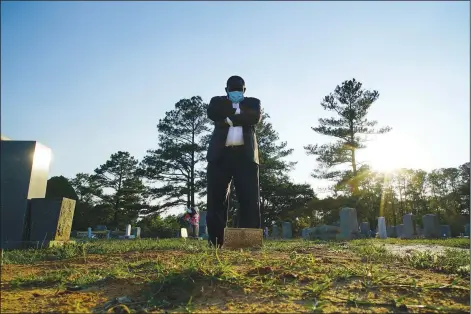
[(233, 154)]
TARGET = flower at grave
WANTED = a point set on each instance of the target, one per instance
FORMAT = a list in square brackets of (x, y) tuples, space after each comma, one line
[(195, 219)]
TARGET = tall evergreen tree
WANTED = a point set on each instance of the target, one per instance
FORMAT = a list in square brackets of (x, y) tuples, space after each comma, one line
[(124, 193), (350, 127), (178, 160)]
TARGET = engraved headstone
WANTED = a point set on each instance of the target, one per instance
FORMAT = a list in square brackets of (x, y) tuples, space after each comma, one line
[(184, 233), (431, 226), (348, 224), (365, 228), (286, 230), (391, 231), (382, 234), (445, 231), (408, 230), (24, 171), (51, 219), (466, 230), (89, 232)]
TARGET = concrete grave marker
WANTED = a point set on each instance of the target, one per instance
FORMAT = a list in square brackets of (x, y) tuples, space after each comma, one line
[(365, 228), (51, 219), (136, 232), (445, 231), (382, 234), (305, 233), (202, 224), (348, 224), (275, 232), (431, 226), (399, 230), (286, 230), (408, 230)]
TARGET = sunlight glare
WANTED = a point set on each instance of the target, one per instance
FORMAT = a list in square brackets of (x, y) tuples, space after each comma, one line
[(42, 157), (390, 152)]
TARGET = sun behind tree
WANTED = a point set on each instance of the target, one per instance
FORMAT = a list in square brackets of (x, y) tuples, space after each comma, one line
[(350, 127)]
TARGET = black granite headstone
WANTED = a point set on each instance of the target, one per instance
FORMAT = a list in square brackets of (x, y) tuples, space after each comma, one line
[(24, 171)]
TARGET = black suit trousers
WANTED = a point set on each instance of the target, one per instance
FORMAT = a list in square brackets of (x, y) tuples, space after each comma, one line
[(233, 164)]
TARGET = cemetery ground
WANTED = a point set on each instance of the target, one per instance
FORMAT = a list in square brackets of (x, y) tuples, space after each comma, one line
[(120, 276)]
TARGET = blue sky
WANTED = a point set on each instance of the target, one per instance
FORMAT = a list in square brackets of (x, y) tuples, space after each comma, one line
[(90, 78)]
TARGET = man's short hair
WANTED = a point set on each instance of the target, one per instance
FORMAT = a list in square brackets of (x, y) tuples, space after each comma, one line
[(235, 82)]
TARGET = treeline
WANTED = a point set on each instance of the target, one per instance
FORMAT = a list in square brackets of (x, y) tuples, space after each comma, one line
[(172, 175)]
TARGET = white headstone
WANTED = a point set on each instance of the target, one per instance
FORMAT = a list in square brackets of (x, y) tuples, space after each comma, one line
[(184, 233), (128, 230), (382, 232)]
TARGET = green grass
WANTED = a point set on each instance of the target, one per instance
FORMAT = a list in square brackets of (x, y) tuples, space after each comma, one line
[(450, 242), (290, 276)]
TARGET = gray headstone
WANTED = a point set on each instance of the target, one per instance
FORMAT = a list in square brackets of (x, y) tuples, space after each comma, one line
[(466, 230), (348, 224), (382, 233), (202, 224), (24, 171), (305, 233), (399, 230), (275, 232), (203, 218), (325, 232), (136, 232), (391, 231), (445, 231), (431, 226), (205, 233), (286, 230), (408, 231), (365, 228), (51, 219)]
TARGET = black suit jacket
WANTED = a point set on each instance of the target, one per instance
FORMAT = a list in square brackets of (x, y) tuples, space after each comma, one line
[(220, 108)]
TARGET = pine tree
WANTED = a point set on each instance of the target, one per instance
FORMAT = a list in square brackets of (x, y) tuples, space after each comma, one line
[(350, 127), (126, 192), (178, 160)]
